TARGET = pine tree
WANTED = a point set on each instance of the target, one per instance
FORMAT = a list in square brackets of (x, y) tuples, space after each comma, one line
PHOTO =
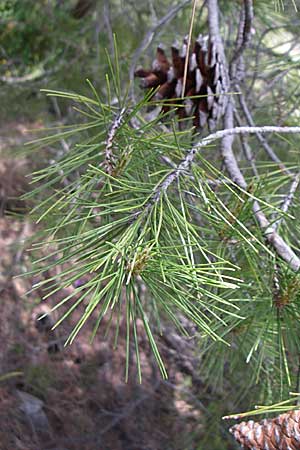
[(197, 209)]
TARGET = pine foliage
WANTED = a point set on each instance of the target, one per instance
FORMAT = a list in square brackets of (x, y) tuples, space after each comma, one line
[(120, 228), (144, 212)]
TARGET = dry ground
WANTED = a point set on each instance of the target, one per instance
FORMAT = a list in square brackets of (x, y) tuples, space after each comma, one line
[(75, 398)]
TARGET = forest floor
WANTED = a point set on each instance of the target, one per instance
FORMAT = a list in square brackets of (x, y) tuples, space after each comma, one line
[(74, 398)]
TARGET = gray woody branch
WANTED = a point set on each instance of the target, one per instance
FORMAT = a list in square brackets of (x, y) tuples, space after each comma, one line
[(235, 172), (227, 136), (244, 33), (288, 200), (270, 152), (270, 233)]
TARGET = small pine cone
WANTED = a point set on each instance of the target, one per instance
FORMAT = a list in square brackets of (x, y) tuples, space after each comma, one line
[(205, 78), (280, 433)]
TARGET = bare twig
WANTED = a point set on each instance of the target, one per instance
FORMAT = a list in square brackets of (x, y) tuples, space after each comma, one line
[(228, 134), (249, 155), (270, 152), (106, 17), (240, 32), (246, 147), (244, 35), (271, 236), (97, 34), (260, 49), (288, 200), (213, 19), (246, 130), (294, 186), (273, 80), (37, 73)]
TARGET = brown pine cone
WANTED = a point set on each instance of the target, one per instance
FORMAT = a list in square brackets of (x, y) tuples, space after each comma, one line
[(204, 78), (280, 433)]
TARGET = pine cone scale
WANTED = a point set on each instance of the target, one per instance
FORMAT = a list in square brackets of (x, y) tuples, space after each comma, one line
[(204, 79), (280, 433)]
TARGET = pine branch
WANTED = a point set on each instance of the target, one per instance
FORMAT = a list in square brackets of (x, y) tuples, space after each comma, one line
[(109, 157), (246, 130), (37, 72), (172, 243), (214, 32), (227, 135), (270, 152), (246, 147), (281, 247), (288, 199), (234, 171), (272, 237), (244, 33)]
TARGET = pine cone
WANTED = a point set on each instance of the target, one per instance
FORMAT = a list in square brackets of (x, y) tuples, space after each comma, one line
[(280, 433), (205, 77)]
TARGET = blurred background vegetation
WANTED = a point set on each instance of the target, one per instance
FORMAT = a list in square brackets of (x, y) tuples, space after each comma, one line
[(58, 44)]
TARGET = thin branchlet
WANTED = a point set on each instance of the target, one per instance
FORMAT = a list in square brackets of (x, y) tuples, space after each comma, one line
[(259, 133), (109, 156), (247, 150), (227, 136), (287, 202), (185, 163), (244, 32), (270, 233)]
